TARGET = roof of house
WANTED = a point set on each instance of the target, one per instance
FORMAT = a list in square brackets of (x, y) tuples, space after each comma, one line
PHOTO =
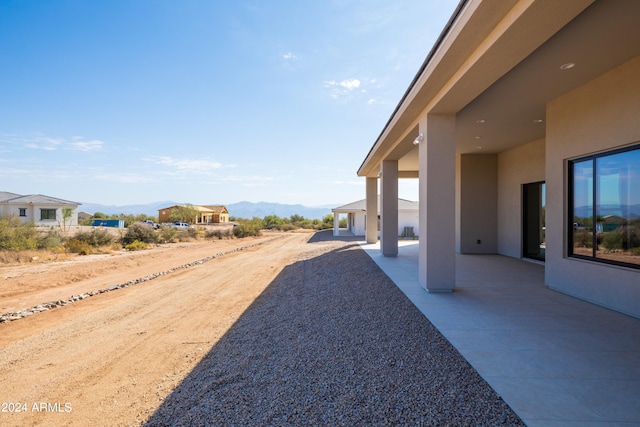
[(5, 195), (36, 199), (207, 208), (361, 205), (217, 208)]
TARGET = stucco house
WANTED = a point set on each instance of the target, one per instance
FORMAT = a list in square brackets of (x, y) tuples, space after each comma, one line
[(209, 214), (38, 209), (357, 224), (522, 122)]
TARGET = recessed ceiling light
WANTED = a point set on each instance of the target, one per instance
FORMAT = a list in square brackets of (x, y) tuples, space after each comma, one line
[(480, 121), (567, 66), (537, 121), (478, 137), (479, 147)]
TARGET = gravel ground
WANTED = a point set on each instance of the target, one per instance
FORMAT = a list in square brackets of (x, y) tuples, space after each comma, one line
[(333, 342)]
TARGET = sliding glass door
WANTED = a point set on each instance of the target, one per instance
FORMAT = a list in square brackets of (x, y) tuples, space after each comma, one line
[(533, 220)]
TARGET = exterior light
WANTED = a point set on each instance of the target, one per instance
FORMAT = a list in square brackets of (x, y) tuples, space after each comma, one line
[(418, 139)]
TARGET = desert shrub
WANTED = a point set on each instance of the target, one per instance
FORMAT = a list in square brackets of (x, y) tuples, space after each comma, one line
[(78, 247), (136, 245), (218, 234), (247, 228), (191, 232), (96, 237), (623, 238), (288, 227), (16, 235), (184, 236), (141, 232), (167, 234), (50, 240)]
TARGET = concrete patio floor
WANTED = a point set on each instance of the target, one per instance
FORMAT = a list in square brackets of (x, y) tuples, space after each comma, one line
[(555, 359)]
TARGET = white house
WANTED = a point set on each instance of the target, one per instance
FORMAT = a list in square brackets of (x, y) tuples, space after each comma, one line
[(357, 223), (38, 209), (522, 127)]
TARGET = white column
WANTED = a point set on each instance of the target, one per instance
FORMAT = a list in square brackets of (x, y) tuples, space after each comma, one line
[(336, 223), (437, 155), (372, 210), (389, 208)]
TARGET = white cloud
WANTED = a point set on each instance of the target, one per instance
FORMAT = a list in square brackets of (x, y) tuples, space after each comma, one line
[(93, 145), (42, 142), (347, 88), (197, 166), (289, 56)]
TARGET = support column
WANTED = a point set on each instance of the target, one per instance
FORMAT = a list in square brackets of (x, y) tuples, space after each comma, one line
[(389, 208), (437, 163), (372, 210), (336, 223)]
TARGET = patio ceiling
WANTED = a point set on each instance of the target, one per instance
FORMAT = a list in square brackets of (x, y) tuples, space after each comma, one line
[(497, 77)]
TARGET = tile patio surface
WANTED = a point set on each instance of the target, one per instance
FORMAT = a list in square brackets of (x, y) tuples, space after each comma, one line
[(555, 359)]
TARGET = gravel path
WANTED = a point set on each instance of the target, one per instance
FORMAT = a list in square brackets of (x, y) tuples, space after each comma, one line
[(333, 342)]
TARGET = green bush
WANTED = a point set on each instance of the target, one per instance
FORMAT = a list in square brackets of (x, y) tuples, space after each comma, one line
[(141, 232), (247, 228), (623, 238), (136, 245), (167, 234), (96, 237), (16, 235), (52, 239)]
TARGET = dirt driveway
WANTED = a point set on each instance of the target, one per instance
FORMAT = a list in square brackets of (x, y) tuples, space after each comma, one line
[(112, 358)]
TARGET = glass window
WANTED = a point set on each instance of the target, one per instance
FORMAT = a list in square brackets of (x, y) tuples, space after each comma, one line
[(23, 211), (47, 214), (605, 205)]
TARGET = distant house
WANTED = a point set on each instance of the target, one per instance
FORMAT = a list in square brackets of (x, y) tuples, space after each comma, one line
[(84, 216), (209, 214), (356, 217), (38, 209)]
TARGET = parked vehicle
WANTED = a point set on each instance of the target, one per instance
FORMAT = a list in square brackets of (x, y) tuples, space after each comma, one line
[(151, 223), (180, 225)]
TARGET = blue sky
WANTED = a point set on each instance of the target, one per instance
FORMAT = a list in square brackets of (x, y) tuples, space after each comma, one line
[(203, 101)]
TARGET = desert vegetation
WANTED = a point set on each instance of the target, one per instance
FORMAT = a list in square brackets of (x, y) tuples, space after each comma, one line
[(20, 242)]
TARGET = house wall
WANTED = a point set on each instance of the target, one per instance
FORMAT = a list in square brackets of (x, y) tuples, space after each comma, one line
[(405, 219), (477, 204), (521, 165), (598, 116), (33, 214)]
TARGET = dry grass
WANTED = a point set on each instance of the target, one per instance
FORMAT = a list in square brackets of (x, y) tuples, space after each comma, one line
[(24, 257)]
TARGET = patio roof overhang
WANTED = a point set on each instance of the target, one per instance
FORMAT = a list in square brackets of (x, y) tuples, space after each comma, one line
[(497, 65)]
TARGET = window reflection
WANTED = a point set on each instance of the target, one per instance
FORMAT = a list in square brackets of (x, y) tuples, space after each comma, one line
[(615, 234)]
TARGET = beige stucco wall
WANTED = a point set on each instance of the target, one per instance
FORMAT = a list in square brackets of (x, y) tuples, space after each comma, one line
[(521, 165), (477, 204), (598, 116)]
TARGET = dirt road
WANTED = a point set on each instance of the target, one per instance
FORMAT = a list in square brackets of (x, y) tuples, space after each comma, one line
[(111, 359)]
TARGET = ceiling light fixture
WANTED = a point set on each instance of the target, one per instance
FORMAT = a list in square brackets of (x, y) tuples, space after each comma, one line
[(480, 121), (567, 66), (418, 139), (537, 121)]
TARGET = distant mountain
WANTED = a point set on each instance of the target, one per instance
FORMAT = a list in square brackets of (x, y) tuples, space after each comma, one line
[(262, 209), (238, 210), (150, 209), (621, 210)]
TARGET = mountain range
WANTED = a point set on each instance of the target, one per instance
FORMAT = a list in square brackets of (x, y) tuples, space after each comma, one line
[(238, 210)]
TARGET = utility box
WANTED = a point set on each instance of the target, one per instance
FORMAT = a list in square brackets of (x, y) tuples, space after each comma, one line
[(116, 223)]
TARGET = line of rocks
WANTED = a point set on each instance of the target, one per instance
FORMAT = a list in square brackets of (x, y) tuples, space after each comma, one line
[(17, 315)]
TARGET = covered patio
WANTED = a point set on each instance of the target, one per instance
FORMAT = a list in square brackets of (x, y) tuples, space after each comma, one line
[(555, 359)]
